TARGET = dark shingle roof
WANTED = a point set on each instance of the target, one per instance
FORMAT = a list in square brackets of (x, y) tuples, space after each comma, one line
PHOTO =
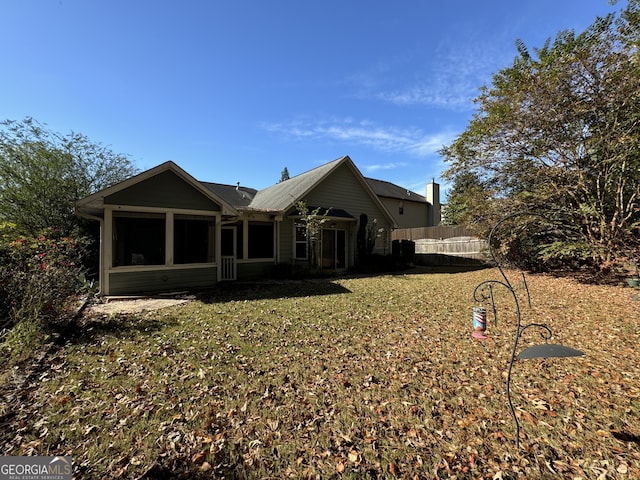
[(390, 190), (236, 196)]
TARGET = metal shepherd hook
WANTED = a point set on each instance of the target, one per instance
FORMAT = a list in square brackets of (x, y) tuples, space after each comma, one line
[(545, 350)]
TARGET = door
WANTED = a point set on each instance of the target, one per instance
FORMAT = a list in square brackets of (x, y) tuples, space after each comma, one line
[(333, 254), (228, 253)]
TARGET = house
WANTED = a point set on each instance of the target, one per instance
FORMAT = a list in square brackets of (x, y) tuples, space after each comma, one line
[(409, 209), (163, 229)]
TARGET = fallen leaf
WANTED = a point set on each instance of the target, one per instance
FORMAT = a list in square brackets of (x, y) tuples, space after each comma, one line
[(199, 457)]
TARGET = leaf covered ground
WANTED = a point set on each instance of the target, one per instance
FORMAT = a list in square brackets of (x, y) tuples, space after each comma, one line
[(374, 377)]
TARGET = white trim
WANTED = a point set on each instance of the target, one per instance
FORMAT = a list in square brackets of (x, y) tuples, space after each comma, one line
[(228, 260), (228, 268), (106, 261), (155, 268), (257, 260), (179, 211), (295, 242), (217, 254)]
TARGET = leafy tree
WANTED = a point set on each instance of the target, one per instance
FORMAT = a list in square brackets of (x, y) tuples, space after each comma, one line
[(466, 201), (557, 133), (284, 175), (43, 173), (312, 221)]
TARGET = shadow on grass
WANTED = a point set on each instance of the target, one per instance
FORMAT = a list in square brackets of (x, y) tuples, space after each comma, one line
[(427, 269), (118, 326), (184, 469), (626, 437), (271, 290)]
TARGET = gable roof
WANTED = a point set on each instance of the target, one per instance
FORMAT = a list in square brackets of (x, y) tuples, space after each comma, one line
[(93, 205), (235, 198), (283, 195), (390, 190)]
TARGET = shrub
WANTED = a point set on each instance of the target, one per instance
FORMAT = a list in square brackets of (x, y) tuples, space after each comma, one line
[(37, 276)]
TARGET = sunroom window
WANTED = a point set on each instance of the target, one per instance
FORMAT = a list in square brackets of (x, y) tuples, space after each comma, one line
[(193, 239), (138, 239)]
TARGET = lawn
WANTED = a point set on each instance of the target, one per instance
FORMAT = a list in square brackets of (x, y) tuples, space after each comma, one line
[(374, 377)]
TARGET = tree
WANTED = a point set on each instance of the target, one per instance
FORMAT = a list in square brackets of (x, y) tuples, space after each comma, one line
[(366, 237), (312, 220), (557, 133), (43, 173), (466, 202), (284, 175)]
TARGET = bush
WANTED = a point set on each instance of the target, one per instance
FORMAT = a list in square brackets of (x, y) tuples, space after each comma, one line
[(37, 276)]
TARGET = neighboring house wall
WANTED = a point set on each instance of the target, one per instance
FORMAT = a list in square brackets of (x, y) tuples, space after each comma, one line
[(409, 209), (407, 214)]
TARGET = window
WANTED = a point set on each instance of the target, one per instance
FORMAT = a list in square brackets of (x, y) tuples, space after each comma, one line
[(261, 242), (192, 239), (301, 240), (138, 239)]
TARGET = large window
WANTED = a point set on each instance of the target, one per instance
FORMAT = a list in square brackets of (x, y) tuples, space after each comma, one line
[(192, 239), (138, 239), (261, 240)]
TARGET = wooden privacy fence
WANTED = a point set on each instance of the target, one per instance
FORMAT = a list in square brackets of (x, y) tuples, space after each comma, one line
[(440, 232), (443, 245), (468, 247)]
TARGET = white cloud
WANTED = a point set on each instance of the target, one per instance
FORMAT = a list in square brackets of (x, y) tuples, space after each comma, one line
[(384, 166), (450, 78), (411, 141)]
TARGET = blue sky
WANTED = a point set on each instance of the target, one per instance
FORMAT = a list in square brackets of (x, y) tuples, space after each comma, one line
[(236, 90)]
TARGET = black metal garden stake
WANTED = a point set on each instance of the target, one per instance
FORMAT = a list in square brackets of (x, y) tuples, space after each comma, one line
[(484, 293)]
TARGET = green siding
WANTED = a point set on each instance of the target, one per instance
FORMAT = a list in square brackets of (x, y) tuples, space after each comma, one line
[(254, 270), (286, 241), (341, 189), (125, 283), (165, 190)]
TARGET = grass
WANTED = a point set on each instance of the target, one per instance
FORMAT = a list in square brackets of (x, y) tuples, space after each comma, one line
[(348, 378)]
